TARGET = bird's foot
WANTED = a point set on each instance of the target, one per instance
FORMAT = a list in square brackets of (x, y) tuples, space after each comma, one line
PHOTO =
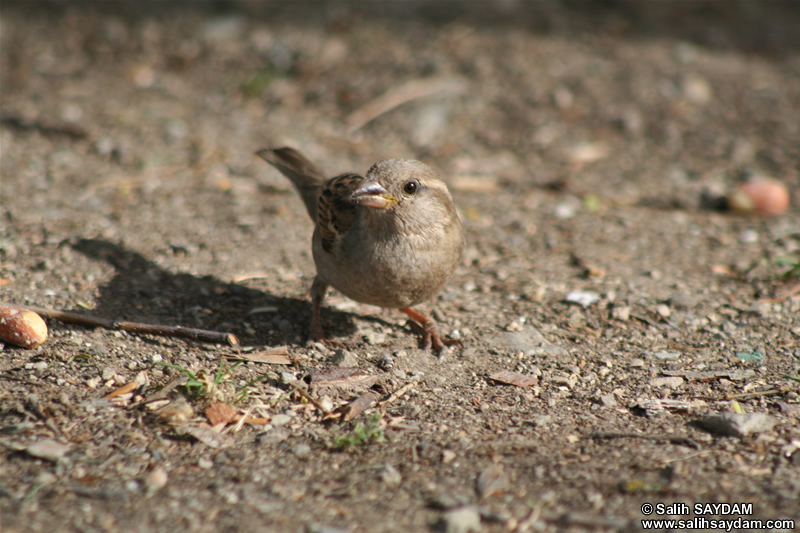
[(431, 338)]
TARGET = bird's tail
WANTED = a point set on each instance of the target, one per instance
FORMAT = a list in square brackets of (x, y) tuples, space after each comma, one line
[(305, 175)]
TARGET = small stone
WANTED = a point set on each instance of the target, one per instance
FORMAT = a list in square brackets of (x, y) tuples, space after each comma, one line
[(667, 356), (748, 236), (738, 424), (155, 480), (48, 478), (566, 381), (671, 382), (697, 89), (285, 327), (448, 456), (683, 301), (465, 519), (302, 450), (321, 528), (39, 365), (582, 298), (205, 463), (326, 403), (391, 476), (344, 358), (636, 362), (607, 400), (288, 378), (374, 337), (622, 312), (47, 449), (565, 210), (108, 373), (280, 420), (663, 310)]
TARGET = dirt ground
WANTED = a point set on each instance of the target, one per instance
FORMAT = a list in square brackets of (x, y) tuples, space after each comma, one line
[(587, 145)]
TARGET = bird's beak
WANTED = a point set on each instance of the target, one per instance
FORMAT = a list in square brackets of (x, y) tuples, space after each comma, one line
[(372, 194)]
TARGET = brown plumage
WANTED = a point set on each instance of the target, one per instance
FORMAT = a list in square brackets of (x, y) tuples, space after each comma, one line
[(391, 239)]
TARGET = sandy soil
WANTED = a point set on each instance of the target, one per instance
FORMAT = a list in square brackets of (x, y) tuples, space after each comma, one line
[(587, 146)]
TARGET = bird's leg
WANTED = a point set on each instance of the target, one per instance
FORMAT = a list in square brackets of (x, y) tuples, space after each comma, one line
[(430, 336), (318, 290)]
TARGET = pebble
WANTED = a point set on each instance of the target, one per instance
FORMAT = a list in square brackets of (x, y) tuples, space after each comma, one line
[(321, 528), (205, 463), (345, 358), (667, 356), (465, 519), (607, 400), (391, 476), (565, 210), (748, 236), (683, 301), (288, 378), (45, 478), (737, 424), (374, 337), (285, 327), (47, 449), (636, 362), (622, 313), (670, 381), (526, 340), (156, 479), (663, 310), (302, 450), (280, 420), (582, 298)]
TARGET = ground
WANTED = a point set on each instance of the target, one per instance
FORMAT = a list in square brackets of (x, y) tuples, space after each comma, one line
[(587, 145)]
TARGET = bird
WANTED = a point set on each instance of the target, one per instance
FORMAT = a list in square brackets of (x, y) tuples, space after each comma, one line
[(391, 238)]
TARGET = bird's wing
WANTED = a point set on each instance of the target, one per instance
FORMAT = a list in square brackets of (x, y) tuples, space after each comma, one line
[(335, 211)]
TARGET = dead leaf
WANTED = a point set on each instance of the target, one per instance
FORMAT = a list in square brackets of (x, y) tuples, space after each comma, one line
[(220, 413), (357, 406), (273, 356), (125, 389), (508, 377)]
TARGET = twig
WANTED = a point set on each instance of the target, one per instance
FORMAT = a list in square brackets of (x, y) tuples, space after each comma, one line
[(411, 90), (203, 335), (674, 439), (783, 295), (397, 394), (45, 127), (313, 401), (758, 394)]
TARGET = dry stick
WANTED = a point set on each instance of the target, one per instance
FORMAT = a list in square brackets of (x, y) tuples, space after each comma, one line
[(411, 90), (397, 394), (45, 127), (759, 394), (313, 401), (203, 335), (674, 439)]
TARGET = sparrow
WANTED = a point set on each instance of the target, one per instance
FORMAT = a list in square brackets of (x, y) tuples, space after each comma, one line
[(391, 238)]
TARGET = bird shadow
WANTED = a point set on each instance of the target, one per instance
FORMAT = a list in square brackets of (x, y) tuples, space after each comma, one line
[(142, 291)]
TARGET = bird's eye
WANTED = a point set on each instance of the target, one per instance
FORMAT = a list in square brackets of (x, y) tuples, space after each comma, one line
[(411, 187)]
